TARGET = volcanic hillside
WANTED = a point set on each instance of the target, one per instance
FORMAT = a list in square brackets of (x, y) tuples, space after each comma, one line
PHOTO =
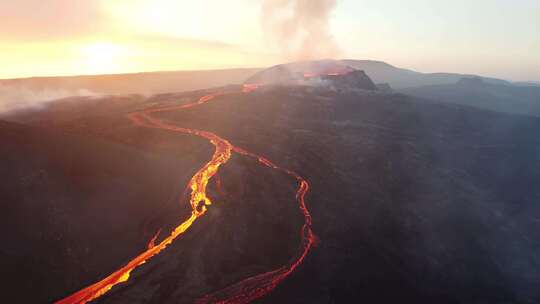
[(411, 201)]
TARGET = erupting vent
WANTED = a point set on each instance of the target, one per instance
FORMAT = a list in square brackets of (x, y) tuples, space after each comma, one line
[(318, 73)]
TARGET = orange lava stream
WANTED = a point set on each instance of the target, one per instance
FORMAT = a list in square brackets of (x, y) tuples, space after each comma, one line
[(244, 291), (258, 286), (329, 72), (250, 87)]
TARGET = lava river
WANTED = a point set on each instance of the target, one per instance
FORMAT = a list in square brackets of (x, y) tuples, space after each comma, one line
[(244, 291)]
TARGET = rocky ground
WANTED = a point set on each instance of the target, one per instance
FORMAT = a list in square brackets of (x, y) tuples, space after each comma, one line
[(413, 202)]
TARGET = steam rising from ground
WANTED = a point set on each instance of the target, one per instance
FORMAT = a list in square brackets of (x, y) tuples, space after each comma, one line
[(300, 28), (15, 98)]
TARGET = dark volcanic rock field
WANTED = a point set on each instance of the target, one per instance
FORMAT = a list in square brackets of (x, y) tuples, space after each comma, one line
[(413, 202)]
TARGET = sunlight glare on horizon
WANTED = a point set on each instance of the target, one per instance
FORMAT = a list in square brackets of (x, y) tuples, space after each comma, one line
[(101, 58), (48, 38), (134, 36)]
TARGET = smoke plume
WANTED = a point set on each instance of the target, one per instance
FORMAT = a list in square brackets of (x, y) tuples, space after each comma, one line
[(16, 98), (300, 28)]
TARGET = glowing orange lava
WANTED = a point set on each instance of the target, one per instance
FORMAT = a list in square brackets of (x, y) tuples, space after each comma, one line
[(257, 286), (244, 291), (250, 87), (332, 71)]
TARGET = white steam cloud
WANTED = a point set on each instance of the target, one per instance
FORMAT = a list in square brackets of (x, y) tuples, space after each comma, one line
[(16, 98), (300, 28)]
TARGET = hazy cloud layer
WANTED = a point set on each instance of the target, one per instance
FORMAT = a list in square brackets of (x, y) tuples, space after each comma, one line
[(50, 19), (300, 28), (15, 98)]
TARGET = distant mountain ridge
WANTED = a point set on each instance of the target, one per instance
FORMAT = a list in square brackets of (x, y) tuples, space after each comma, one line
[(177, 81), (398, 78), (146, 83), (477, 92), (528, 83)]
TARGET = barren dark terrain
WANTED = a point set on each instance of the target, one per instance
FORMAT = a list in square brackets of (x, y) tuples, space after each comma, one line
[(412, 201)]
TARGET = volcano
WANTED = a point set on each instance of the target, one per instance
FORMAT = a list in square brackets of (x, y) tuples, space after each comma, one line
[(303, 185), (331, 74)]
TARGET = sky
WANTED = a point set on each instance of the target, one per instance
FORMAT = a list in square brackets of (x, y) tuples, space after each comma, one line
[(498, 38)]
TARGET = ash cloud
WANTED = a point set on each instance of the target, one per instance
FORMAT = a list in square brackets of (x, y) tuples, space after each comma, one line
[(18, 98), (300, 28)]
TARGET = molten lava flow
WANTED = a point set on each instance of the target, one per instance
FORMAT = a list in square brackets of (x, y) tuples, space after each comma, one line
[(152, 242), (330, 71), (250, 87), (255, 287), (244, 291)]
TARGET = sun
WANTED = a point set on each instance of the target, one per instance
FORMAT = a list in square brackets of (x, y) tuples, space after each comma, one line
[(101, 57)]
